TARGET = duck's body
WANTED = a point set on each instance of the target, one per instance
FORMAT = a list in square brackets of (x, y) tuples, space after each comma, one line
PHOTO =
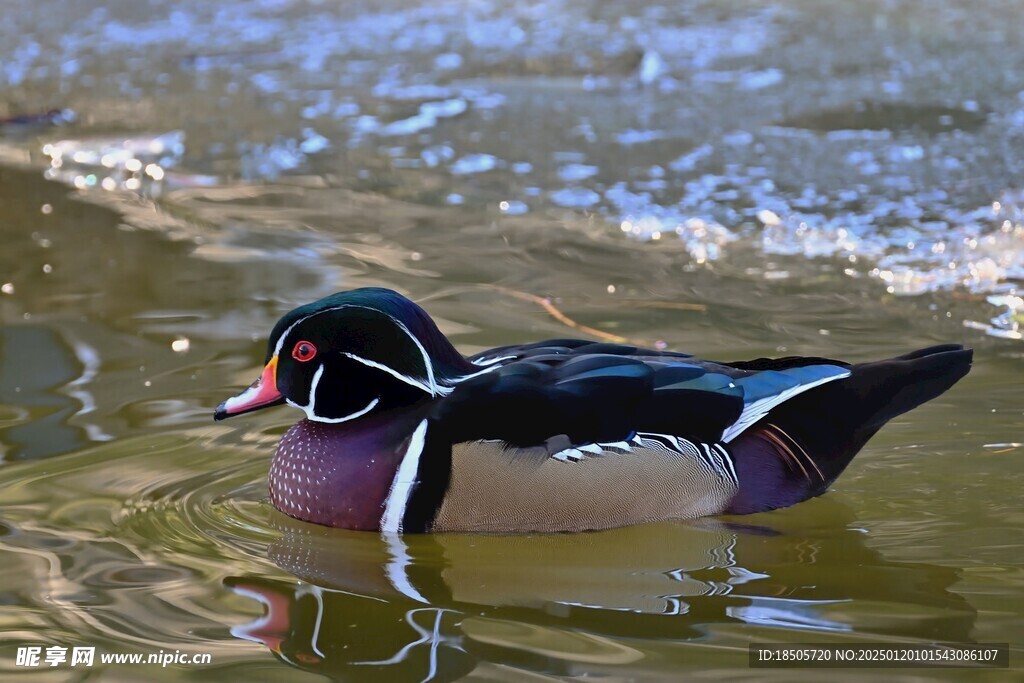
[(404, 434)]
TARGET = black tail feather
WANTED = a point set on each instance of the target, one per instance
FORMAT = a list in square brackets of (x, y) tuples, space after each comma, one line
[(934, 351), (893, 387), (830, 424)]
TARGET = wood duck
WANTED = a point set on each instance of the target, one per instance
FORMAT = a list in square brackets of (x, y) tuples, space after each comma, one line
[(404, 434)]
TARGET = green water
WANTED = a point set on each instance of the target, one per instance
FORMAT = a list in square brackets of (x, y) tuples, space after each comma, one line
[(130, 522)]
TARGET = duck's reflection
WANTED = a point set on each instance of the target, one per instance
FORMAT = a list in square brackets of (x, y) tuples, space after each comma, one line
[(437, 607), (333, 631)]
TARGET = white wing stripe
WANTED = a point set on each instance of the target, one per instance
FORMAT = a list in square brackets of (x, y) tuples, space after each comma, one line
[(758, 409), (483, 362)]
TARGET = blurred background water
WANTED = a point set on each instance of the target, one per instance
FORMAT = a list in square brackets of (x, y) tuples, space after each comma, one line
[(730, 178)]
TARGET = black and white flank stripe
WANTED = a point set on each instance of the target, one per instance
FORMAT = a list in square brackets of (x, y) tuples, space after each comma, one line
[(713, 457)]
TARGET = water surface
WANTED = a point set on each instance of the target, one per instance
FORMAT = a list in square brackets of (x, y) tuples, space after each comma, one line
[(730, 179)]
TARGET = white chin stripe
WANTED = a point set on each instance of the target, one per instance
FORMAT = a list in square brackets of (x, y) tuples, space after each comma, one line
[(310, 408), (334, 420)]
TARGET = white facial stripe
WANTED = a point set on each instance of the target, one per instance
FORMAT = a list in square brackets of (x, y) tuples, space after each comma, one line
[(280, 340), (405, 478), (391, 371), (311, 406), (431, 386), (426, 358)]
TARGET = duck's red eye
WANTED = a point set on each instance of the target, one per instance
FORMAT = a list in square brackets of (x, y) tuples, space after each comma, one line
[(304, 351)]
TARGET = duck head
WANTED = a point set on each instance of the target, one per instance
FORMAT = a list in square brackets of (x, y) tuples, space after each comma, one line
[(351, 354)]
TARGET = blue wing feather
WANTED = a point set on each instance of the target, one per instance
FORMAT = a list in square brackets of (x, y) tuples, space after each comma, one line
[(710, 382), (635, 370), (768, 383)]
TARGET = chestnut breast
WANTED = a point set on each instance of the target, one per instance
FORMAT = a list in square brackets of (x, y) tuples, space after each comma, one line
[(337, 474)]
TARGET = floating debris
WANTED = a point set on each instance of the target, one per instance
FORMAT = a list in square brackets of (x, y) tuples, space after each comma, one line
[(53, 117), (891, 116)]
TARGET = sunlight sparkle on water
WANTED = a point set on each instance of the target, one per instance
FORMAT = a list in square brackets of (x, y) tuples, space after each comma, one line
[(513, 207)]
